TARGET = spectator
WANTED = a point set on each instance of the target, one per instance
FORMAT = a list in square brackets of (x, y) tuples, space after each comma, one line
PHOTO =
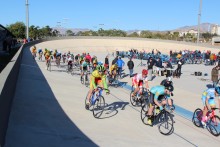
[(120, 64), (158, 66), (171, 53), (106, 62), (178, 70), (115, 60), (130, 65), (150, 64), (214, 74)]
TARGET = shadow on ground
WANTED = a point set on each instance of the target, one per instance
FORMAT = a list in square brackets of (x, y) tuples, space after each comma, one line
[(37, 119)]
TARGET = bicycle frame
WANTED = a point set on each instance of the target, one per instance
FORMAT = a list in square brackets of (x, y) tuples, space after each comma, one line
[(96, 95)]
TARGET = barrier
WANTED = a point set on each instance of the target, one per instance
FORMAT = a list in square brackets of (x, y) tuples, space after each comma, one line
[(8, 82)]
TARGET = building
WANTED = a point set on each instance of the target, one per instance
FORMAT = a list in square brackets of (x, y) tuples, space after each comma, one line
[(215, 29), (6, 39), (185, 32)]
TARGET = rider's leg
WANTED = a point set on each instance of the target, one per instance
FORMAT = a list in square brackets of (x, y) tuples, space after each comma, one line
[(91, 88), (136, 90)]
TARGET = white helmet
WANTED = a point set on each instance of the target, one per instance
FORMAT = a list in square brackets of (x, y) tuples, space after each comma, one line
[(169, 79)]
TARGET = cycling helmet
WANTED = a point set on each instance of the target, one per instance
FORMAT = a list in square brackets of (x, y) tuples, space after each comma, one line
[(217, 89), (169, 79), (170, 88), (100, 63), (100, 68), (144, 72)]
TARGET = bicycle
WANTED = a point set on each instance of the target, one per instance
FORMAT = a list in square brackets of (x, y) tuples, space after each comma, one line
[(58, 61), (163, 119), (84, 79), (49, 64), (212, 123), (97, 102), (113, 81), (139, 99), (40, 56), (69, 67)]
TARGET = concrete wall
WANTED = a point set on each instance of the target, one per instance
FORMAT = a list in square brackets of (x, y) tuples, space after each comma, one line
[(8, 81)]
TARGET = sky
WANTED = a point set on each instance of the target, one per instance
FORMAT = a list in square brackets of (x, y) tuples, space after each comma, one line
[(111, 14)]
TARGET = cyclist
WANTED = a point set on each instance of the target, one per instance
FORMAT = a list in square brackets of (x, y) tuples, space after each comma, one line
[(158, 97), (55, 54), (167, 82), (64, 57), (68, 54), (34, 51), (137, 82), (208, 100), (113, 70), (94, 64), (98, 77), (48, 56), (70, 63), (58, 58), (84, 67), (40, 53)]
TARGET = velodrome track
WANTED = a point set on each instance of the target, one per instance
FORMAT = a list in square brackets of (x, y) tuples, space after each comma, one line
[(48, 110)]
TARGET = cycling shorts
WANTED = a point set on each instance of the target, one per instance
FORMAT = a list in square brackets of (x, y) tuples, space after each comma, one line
[(211, 101)]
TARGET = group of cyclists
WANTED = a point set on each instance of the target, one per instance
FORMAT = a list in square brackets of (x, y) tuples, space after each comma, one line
[(158, 95)]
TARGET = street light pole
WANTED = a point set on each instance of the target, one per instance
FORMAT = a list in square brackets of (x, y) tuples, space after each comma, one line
[(199, 16), (27, 20)]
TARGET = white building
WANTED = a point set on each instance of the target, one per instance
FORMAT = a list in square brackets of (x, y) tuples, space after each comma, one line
[(215, 29), (191, 31)]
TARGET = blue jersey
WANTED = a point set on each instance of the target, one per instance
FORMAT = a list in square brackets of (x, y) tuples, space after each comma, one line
[(157, 91), (209, 93)]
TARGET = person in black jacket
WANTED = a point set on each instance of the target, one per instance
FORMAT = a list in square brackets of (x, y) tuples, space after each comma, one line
[(178, 70), (106, 63), (150, 64), (130, 65), (115, 60)]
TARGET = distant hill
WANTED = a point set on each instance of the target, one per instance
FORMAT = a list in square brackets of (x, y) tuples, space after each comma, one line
[(204, 27)]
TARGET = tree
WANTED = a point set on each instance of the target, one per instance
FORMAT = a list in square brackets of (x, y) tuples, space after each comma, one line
[(46, 31), (17, 29), (176, 35), (146, 34), (134, 34), (55, 33), (69, 33), (34, 31)]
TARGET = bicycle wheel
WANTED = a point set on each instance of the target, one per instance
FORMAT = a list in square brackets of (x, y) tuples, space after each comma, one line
[(213, 126), (197, 117), (133, 100), (98, 107), (165, 121), (144, 111), (82, 79)]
